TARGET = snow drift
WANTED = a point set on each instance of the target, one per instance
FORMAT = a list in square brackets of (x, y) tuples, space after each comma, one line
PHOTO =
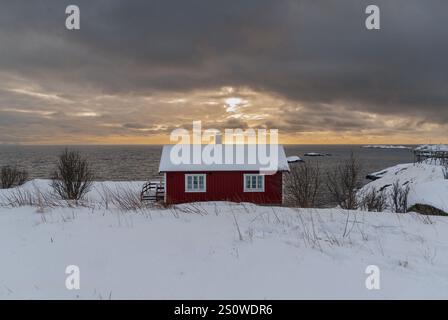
[(217, 250)]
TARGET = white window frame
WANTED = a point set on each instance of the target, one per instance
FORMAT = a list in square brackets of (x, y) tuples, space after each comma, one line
[(252, 189), (195, 175)]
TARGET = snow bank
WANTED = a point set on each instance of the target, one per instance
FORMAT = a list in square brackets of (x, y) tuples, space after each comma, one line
[(221, 251), (426, 182)]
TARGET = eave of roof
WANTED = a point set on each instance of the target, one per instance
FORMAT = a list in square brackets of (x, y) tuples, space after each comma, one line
[(167, 165)]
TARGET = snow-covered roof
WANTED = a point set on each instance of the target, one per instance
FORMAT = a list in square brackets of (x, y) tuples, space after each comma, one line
[(234, 157)]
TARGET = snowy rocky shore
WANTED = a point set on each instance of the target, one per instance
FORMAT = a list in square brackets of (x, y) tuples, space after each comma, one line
[(427, 184)]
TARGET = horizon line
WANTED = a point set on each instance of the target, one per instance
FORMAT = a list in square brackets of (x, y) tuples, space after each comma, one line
[(162, 144)]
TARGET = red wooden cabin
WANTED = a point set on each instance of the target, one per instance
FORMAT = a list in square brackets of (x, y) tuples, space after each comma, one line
[(240, 181)]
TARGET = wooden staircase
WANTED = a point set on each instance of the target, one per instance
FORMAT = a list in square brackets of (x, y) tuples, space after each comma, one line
[(153, 191)]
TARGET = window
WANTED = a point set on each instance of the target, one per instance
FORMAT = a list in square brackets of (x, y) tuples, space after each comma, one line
[(253, 183), (195, 183)]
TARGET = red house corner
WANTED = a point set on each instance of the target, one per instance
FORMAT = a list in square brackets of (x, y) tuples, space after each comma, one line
[(240, 180)]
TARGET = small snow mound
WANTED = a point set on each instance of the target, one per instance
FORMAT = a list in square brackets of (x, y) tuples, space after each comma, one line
[(293, 159)]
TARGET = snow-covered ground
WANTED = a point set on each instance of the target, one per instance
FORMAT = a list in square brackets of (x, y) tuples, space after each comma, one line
[(218, 250), (426, 182)]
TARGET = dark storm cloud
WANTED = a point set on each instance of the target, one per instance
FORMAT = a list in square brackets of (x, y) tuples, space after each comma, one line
[(312, 52)]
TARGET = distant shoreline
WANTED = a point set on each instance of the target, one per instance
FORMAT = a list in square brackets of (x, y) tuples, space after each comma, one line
[(387, 146)]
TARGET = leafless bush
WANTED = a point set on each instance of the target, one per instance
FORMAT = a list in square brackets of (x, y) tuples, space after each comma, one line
[(17, 198), (373, 200), (302, 185), (123, 198), (445, 170), (343, 182), (73, 177), (399, 197), (12, 177)]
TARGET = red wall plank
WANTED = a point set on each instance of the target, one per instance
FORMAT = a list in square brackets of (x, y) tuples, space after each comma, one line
[(224, 186)]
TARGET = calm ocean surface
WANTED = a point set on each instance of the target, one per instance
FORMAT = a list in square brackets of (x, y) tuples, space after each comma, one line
[(142, 162), (118, 163)]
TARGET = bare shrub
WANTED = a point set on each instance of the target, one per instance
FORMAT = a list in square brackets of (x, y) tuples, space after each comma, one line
[(17, 198), (123, 198), (373, 200), (12, 177), (445, 170), (302, 185), (399, 197), (343, 183), (73, 177)]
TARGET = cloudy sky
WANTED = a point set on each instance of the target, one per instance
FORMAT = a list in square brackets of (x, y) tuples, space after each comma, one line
[(138, 69)]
